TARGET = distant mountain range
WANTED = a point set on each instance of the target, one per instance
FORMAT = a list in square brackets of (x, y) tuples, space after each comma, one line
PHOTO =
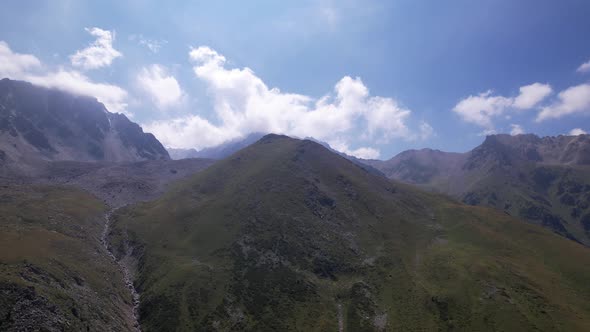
[(217, 152), (101, 230), (543, 180), (44, 124)]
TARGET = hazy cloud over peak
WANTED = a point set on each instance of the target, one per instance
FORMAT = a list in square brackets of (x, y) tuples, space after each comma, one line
[(243, 103), (28, 68), (516, 129), (577, 131)]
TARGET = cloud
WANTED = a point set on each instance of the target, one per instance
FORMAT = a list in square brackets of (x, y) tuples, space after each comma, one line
[(487, 132), (483, 108), (14, 63), (531, 95), (28, 68), (577, 131), (113, 97), (516, 129), (362, 152), (575, 99), (98, 54), (584, 68), (426, 131), (206, 55), (151, 44), (243, 104), (160, 85)]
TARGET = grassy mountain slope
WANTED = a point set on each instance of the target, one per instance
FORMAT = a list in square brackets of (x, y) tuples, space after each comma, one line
[(54, 273), (287, 236)]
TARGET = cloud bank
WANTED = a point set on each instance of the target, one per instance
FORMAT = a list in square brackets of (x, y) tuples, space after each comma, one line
[(243, 104)]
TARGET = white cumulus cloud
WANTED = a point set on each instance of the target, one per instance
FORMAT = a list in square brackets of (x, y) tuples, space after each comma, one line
[(243, 104), (575, 99), (98, 54), (577, 131), (483, 108), (531, 95), (162, 87)]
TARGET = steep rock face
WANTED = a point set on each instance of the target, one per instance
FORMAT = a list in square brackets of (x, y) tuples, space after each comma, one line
[(544, 180), (39, 123), (288, 236)]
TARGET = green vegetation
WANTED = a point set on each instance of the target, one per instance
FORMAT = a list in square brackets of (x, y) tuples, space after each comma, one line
[(286, 236), (54, 273), (554, 196)]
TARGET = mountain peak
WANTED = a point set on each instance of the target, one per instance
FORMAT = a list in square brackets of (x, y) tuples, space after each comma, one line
[(38, 123)]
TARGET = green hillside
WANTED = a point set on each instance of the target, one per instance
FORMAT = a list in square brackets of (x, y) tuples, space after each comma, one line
[(54, 273), (287, 236)]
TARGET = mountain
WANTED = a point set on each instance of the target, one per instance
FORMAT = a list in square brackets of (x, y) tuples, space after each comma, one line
[(544, 180), (45, 124), (226, 149), (285, 235), (217, 152), (419, 166)]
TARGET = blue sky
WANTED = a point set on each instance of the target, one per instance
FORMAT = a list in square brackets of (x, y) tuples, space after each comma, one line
[(372, 78)]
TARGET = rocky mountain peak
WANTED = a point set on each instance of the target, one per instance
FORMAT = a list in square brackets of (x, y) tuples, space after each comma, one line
[(48, 124)]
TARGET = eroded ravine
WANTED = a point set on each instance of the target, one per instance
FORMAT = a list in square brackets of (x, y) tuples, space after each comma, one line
[(127, 275)]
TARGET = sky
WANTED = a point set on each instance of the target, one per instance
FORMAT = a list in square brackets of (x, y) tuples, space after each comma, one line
[(370, 78)]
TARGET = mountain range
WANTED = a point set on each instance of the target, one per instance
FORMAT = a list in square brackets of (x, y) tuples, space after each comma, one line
[(216, 152), (543, 180), (100, 230)]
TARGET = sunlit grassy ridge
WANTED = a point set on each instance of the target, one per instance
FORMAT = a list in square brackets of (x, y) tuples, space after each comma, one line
[(54, 273), (285, 235)]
